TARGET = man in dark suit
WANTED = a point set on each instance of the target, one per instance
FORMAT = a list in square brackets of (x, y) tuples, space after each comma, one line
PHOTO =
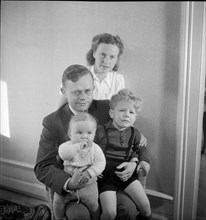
[(77, 87)]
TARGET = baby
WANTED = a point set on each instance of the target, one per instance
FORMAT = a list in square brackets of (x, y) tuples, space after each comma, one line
[(84, 159)]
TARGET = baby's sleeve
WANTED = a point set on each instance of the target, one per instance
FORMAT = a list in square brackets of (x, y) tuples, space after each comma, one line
[(99, 161), (67, 150)]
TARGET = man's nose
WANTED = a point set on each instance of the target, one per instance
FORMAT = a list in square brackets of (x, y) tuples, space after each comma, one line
[(82, 95)]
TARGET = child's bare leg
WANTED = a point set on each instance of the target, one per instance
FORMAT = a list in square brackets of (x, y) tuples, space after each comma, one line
[(94, 210), (138, 195), (89, 196), (108, 200), (59, 206)]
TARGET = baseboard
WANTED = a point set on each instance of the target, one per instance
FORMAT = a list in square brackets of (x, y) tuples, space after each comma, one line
[(19, 177)]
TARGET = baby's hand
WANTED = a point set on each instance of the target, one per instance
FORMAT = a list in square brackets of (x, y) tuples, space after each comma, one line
[(84, 145), (100, 176), (84, 177)]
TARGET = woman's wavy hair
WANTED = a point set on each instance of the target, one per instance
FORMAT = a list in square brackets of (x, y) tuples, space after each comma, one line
[(105, 39)]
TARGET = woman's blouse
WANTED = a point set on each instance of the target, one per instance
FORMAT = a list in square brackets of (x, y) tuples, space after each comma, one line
[(110, 85)]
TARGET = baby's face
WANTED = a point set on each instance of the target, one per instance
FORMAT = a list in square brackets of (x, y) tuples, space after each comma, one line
[(123, 115), (81, 131)]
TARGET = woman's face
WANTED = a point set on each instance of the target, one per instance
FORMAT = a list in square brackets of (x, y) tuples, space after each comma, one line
[(106, 56)]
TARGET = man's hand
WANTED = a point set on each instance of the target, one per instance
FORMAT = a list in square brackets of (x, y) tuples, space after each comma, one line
[(74, 182), (85, 177), (143, 140), (129, 168)]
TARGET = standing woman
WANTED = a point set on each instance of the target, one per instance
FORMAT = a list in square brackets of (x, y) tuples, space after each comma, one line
[(103, 61)]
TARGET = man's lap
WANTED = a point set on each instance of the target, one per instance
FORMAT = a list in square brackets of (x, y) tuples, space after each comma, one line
[(126, 209)]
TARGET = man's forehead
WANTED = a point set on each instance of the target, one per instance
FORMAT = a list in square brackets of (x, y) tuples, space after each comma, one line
[(85, 81)]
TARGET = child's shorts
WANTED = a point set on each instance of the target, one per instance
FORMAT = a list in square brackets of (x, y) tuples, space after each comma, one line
[(110, 181)]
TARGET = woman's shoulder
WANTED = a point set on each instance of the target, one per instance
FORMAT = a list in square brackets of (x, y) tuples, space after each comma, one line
[(116, 76), (116, 73)]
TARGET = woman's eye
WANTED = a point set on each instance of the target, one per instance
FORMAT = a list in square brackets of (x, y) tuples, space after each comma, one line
[(102, 55)]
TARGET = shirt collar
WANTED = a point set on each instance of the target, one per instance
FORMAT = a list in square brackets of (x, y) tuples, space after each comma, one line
[(75, 112), (107, 79), (109, 125)]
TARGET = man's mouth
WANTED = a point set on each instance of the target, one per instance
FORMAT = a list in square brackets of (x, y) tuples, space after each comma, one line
[(126, 121)]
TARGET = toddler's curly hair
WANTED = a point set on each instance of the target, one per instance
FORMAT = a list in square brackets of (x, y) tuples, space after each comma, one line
[(128, 96)]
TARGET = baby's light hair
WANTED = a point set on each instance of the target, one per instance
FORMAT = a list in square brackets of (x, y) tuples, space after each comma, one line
[(82, 116), (126, 95)]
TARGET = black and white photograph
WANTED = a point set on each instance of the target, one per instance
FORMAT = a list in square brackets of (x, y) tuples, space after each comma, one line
[(103, 110)]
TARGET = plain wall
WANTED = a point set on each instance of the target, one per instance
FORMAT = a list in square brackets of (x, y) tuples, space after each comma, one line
[(40, 39)]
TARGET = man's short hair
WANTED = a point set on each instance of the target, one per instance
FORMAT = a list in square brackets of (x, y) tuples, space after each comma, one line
[(74, 73)]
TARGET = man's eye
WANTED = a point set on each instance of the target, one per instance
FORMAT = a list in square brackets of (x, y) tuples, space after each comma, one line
[(75, 92), (88, 91)]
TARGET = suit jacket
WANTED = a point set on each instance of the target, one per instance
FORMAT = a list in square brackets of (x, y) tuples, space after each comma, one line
[(54, 133)]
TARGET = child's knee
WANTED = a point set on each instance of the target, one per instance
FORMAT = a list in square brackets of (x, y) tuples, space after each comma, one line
[(108, 215), (146, 209)]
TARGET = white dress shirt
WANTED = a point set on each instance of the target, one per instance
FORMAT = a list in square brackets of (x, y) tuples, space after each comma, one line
[(110, 85)]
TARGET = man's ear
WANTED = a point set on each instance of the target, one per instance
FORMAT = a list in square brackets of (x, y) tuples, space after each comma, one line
[(62, 90), (111, 113), (94, 54)]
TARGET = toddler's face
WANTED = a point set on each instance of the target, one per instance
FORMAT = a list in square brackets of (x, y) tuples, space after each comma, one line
[(82, 131), (123, 115), (106, 57)]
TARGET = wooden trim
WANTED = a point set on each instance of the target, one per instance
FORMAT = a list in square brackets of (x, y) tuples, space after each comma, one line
[(20, 177), (190, 109)]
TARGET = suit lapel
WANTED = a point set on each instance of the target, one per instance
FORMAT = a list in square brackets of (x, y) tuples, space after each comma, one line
[(67, 114)]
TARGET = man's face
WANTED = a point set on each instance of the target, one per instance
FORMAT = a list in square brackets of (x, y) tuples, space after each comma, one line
[(79, 94)]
